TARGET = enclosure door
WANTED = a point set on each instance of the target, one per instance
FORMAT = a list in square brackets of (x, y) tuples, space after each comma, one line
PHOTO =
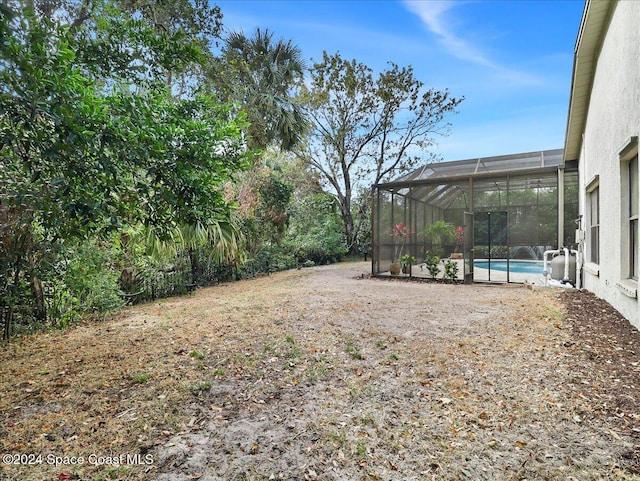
[(491, 251), (468, 247)]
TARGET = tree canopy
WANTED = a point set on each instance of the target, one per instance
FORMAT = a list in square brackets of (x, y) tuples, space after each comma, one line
[(89, 147), (367, 128), (262, 74), (79, 157)]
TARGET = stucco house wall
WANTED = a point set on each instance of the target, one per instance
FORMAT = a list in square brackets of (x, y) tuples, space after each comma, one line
[(610, 130)]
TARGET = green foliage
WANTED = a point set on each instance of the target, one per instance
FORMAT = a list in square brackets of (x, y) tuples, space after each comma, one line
[(361, 449), (316, 232), (451, 271), (141, 378), (261, 75), (139, 41), (193, 256), (407, 259), (87, 153), (213, 244), (354, 351), (273, 213), (196, 355), (92, 161), (268, 259), (87, 277), (433, 265), (440, 233)]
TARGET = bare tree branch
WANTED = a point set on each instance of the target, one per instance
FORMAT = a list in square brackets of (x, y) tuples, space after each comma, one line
[(367, 127)]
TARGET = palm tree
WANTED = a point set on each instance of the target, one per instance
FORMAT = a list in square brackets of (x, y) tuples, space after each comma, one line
[(262, 75), (221, 239), (440, 233)]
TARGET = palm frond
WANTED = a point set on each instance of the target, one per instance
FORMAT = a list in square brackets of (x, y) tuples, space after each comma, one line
[(221, 239)]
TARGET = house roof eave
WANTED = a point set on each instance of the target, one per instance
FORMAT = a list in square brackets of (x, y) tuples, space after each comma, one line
[(593, 27)]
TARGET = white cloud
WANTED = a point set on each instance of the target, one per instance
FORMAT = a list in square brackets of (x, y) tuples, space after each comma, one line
[(435, 15)]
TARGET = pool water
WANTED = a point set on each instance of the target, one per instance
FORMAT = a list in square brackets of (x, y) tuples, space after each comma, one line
[(523, 267)]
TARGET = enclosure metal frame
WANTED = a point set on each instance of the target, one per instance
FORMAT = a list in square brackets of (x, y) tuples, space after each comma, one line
[(435, 182)]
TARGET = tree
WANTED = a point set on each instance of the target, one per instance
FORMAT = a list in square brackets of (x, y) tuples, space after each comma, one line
[(362, 213), (71, 153), (261, 75), (79, 161), (366, 129), (137, 40), (87, 155), (177, 39)]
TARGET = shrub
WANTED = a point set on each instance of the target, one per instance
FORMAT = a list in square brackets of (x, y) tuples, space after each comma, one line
[(269, 259), (84, 281), (433, 265), (316, 232), (451, 271)]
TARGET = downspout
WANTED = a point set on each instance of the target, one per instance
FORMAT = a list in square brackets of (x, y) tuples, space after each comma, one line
[(578, 266), (580, 252)]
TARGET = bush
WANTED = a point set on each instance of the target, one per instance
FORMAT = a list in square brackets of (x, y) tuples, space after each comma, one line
[(84, 281), (320, 251), (269, 259), (317, 231), (433, 265), (451, 271)]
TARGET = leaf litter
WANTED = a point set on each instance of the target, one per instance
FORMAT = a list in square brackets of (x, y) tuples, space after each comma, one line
[(325, 374)]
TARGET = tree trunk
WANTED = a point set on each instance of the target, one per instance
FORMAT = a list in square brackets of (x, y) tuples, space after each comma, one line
[(348, 228), (38, 297)]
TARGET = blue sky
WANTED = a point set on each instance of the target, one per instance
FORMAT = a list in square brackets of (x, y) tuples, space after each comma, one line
[(511, 59)]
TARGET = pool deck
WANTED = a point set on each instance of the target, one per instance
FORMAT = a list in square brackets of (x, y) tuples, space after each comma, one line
[(479, 274)]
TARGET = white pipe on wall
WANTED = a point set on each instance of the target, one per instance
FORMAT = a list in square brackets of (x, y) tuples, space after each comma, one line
[(567, 258), (578, 267), (545, 272)]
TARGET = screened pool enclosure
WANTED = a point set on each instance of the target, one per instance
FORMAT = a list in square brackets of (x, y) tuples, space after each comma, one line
[(493, 217)]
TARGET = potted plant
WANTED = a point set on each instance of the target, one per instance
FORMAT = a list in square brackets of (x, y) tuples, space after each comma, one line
[(400, 233), (406, 261), (395, 268), (459, 243)]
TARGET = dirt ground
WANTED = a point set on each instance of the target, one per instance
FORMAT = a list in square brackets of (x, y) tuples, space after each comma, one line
[(326, 374)]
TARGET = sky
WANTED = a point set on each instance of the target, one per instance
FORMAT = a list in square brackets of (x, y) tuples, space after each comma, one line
[(511, 60)]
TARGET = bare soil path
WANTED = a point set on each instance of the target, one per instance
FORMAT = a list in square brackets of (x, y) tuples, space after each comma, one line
[(326, 374)]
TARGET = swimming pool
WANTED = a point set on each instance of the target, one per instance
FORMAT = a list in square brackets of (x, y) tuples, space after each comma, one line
[(522, 267)]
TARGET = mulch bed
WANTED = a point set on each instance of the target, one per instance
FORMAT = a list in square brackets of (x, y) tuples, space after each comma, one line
[(610, 346)]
